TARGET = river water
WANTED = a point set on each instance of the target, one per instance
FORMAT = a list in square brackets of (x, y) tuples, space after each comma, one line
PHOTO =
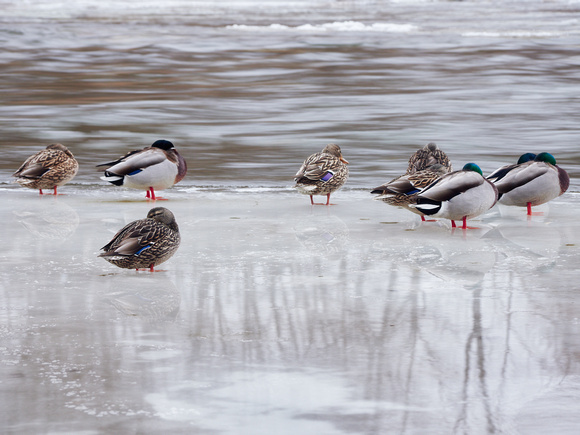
[(273, 316)]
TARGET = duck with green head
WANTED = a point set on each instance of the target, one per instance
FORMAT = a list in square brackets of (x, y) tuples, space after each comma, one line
[(533, 180), (153, 168), (460, 195)]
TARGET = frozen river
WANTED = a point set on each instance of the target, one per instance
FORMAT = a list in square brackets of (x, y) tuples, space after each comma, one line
[(275, 317), (278, 317)]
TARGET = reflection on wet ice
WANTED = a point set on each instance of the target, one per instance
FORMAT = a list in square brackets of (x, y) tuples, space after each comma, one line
[(288, 317), (48, 218), (151, 298), (322, 233)]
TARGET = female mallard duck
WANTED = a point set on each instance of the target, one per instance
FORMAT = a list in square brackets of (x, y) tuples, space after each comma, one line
[(403, 190), (157, 167), (144, 243), (47, 169), (428, 156), (459, 195), (322, 173), (534, 180)]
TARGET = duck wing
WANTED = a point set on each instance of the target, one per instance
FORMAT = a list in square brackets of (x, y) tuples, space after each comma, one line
[(135, 161), (31, 170), (134, 238), (452, 185), (409, 184), (317, 166), (403, 184), (38, 164), (510, 177)]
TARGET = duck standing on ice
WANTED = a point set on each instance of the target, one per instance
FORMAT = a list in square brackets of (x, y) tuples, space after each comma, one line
[(47, 169), (426, 166), (533, 180), (157, 167), (322, 173), (144, 243), (460, 195)]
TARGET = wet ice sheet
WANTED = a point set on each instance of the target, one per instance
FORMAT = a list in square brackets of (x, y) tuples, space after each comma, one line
[(278, 317)]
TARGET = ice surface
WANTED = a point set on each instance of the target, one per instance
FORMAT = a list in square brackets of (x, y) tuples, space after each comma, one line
[(278, 317)]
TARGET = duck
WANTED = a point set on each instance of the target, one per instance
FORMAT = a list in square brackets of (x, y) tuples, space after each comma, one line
[(403, 190), (533, 180), (322, 173), (459, 195), (428, 156), (157, 167), (144, 243), (50, 168)]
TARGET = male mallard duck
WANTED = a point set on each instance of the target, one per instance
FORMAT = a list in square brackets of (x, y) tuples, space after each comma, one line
[(322, 173), (427, 156), (144, 243), (157, 167), (47, 169), (461, 195), (534, 180), (403, 190)]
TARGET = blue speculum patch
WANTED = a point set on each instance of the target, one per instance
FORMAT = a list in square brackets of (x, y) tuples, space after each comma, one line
[(327, 176), (136, 171), (142, 249)]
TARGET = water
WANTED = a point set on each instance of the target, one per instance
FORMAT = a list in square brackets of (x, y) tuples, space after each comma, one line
[(275, 317)]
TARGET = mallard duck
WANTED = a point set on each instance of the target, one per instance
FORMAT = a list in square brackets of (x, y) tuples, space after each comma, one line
[(533, 180), (427, 156), (460, 195), (47, 169), (157, 167), (322, 173), (144, 243), (403, 190)]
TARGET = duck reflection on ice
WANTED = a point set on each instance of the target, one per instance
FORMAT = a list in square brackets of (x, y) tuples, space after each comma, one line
[(464, 258), (323, 233), (49, 219), (151, 297)]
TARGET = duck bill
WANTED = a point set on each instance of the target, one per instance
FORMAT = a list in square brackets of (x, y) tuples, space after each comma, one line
[(343, 160)]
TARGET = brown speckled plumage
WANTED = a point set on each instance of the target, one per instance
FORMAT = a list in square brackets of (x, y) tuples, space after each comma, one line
[(144, 243), (322, 173), (403, 190), (47, 169), (427, 156)]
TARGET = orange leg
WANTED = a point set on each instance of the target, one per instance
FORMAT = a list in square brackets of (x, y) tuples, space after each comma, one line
[(151, 195), (150, 269), (533, 213), (315, 203)]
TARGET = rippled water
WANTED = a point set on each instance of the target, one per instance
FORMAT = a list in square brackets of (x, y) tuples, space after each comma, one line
[(248, 89), (276, 317)]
